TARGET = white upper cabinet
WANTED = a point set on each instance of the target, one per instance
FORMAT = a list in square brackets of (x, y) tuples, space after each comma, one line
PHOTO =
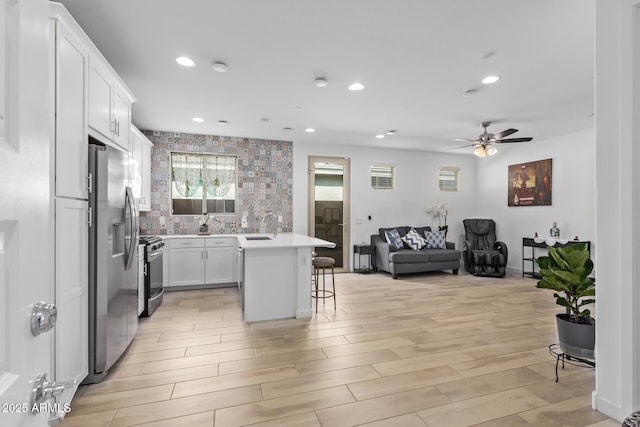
[(109, 104), (121, 117), (71, 62), (100, 90), (140, 171)]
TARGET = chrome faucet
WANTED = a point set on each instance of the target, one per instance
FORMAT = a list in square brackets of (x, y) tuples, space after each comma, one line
[(274, 221)]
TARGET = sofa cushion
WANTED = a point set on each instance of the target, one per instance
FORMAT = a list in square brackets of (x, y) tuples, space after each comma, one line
[(402, 230), (408, 255), (435, 239), (393, 239), (414, 240), (441, 255), (422, 230)]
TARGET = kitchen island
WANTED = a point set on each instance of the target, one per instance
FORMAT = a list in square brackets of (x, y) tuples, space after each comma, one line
[(275, 280)]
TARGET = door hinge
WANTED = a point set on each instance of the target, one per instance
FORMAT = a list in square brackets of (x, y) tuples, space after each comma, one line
[(90, 183), (90, 216)]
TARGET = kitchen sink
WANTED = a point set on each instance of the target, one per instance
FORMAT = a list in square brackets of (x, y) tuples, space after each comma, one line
[(258, 238)]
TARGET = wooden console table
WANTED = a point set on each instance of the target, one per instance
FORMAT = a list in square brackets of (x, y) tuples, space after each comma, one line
[(533, 243)]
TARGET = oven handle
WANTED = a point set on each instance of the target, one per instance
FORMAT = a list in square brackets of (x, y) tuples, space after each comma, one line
[(154, 255)]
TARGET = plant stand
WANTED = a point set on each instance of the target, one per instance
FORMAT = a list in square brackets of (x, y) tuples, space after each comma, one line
[(554, 349)]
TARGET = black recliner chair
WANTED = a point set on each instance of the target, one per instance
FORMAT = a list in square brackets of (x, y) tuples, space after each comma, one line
[(483, 255)]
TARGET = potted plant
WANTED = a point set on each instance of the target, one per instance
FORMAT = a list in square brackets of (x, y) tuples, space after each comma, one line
[(566, 270)]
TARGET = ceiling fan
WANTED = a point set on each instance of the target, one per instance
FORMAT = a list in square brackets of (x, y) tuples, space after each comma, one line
[(484, 142)]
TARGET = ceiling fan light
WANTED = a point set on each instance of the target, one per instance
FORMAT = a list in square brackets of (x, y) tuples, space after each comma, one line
[(491, 150), (480, 150)]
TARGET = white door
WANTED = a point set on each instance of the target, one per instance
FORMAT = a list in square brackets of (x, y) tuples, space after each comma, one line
[(26, 219)]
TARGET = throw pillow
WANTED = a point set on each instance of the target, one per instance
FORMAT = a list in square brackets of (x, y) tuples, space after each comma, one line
[(414, 240), (393, 239), (435, 239)]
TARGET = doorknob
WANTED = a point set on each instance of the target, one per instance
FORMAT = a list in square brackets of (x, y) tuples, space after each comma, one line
[(43, 317)]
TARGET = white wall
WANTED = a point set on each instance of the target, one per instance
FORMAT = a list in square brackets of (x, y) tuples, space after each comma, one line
[(416, 189), (617, 77), (573, 192)]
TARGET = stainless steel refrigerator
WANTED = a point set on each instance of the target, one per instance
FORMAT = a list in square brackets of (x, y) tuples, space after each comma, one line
[(113, 259)]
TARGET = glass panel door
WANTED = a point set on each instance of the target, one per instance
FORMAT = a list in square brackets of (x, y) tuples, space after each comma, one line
[(328, 207)]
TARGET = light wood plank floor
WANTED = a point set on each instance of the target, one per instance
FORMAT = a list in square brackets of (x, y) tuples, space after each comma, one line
[(431, 349)]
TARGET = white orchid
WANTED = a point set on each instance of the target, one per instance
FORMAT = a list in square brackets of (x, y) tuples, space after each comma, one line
[(439, 210)]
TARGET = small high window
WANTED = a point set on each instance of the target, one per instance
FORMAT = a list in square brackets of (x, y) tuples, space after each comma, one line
[(382, 176), (449, 178), (203, 183)]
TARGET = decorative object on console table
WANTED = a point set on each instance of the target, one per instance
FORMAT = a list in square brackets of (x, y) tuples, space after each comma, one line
[(529, 184), (541, 243), (363, 249), (554, 231), (566, 271)]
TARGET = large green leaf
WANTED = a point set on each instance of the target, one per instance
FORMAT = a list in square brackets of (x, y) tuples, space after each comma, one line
[(566, 270)]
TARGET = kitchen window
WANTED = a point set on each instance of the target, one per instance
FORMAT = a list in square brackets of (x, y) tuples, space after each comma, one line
[(203, 183)]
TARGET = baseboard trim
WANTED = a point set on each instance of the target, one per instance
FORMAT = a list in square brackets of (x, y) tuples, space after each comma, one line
[(607, 408)]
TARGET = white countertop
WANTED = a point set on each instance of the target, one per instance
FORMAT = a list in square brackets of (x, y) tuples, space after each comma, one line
[(284, 240)]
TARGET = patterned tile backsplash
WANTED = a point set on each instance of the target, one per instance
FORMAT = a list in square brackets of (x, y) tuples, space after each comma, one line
[(265, 183)]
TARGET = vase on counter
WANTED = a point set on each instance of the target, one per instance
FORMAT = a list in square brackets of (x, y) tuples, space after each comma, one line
[(554, 231)]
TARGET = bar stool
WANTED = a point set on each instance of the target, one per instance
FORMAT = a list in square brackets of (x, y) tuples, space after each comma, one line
[(323, 263)]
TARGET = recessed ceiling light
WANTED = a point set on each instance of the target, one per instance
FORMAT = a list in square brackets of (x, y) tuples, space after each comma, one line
[(287, 129), (198, 119), (265, 119), (490, 79), (220, 67), (320, 82), (310, 130), (470, 93), (379, 136), (356, 86), (185, 62), (391, 132), (223, 122)]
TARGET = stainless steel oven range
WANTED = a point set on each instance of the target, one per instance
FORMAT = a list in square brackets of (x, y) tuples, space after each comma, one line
[(153, 279)]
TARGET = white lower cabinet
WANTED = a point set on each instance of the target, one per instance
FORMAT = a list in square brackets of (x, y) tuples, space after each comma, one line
[(201, 261), (71, 292)]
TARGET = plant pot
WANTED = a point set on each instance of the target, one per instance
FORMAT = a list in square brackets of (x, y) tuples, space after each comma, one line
[(576, 339)]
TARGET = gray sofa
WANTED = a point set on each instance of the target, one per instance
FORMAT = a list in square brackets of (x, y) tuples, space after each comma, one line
[(407, 260)]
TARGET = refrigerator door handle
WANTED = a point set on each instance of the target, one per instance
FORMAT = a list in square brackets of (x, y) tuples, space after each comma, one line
[(133, 226)]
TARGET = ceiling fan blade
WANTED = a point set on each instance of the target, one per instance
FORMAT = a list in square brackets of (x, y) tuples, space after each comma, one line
[(464, 146), (504, 133), (463, 139), (514, 140)]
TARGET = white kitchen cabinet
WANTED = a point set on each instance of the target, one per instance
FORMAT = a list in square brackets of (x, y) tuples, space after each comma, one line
[(140, 172), (69, 57), (100, 90), (141, 276), (109, 104), (121, 117), (71, 66), (186, 258), (71, 290), (219, 261), (201, 261)]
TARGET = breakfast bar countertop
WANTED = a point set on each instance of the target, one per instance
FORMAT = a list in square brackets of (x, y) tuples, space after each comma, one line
[(283, 240)]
